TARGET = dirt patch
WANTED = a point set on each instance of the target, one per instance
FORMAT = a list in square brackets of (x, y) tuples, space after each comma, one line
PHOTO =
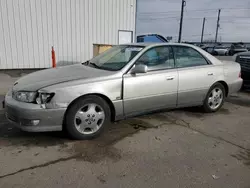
[(196, 112), (102, 147), (161, 117), (102, 179), (243, 99), (92, 152), (224, 111), (244, 156)]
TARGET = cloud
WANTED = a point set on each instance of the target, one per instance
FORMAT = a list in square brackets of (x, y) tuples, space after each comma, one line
[(162, 17)]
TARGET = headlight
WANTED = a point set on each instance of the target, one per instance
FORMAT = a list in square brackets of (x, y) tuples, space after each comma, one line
[(24, 96), (44, 98)]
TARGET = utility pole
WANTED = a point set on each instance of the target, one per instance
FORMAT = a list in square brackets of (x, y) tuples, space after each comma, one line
[(183, 4), (202, 31), (217, 26)]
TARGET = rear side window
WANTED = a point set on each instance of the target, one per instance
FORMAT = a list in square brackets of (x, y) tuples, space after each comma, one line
[(188, 57)]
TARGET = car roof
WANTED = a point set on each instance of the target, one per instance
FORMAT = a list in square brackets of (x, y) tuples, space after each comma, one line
[(151, 44)]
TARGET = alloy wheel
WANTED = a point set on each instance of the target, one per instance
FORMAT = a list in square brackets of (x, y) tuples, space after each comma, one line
[(215, 98), (89, 118)]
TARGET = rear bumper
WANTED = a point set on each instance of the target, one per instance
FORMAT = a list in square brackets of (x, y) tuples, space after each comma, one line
[(33, 118), (235, 86)]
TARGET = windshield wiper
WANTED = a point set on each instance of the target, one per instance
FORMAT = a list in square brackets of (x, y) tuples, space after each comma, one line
[(86, 63), (94, 65), (90, 63)]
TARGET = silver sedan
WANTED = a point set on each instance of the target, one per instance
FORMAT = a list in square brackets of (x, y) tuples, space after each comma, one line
[(124, 81)]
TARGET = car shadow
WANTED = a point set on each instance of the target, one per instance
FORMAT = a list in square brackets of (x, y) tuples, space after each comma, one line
[(10, 135)]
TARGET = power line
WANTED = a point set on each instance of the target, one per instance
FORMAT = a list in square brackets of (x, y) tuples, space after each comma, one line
[(234, 22), (196, 35), (190, 18), (195, 10)]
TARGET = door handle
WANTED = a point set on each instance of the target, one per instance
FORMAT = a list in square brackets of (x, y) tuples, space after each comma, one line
[(210, 74), (170, 78)]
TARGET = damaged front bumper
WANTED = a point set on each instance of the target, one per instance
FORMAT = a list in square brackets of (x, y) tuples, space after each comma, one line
[(32, 117)]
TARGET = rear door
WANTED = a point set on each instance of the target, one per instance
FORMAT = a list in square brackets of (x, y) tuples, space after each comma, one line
[(155, 89), (196, 75)]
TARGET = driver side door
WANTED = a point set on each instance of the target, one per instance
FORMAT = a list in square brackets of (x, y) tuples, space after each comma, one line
[(155, 89)]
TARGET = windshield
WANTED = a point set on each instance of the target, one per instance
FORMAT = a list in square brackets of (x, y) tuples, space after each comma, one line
[(116, 57), (239, 46)]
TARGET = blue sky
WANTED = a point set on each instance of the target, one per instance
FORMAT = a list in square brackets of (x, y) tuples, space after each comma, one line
[(162, 17)]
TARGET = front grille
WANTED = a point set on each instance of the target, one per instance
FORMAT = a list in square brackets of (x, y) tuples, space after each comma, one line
[(244, 62)]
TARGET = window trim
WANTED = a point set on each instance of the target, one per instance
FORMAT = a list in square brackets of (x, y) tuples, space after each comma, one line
[(206, 59), (168, 46)]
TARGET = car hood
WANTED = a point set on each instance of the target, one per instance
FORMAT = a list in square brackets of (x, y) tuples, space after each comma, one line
[(48, 77), (244, 53)]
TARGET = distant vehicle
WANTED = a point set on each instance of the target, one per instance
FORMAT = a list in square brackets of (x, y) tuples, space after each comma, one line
[(202, 46), (124, 81), (243, 59), (220, 50), (216, 50), (155, 38), (237, 47), (208, 49)]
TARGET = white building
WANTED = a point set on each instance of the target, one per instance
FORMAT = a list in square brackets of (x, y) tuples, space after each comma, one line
[(29, 28)]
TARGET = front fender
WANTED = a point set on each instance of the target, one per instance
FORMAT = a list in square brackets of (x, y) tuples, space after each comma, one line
[(65, 95)]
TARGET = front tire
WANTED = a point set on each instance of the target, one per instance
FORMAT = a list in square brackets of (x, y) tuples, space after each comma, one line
[(87, 118), (215, 98)]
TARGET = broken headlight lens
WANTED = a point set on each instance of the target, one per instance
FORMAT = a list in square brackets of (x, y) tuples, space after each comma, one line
[(44, 98), (24, 96)]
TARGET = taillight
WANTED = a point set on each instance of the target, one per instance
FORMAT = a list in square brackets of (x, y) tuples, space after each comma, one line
[(240, 75)]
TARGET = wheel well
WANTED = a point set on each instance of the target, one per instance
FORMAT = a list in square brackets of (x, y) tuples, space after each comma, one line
[(112, 108), (225, 86)]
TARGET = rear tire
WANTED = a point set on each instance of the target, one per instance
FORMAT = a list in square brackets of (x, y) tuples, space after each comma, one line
[(215, 98), (87, 118)]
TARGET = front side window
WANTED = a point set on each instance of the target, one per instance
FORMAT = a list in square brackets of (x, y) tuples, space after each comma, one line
[(157, 58), (188, 57), (116, 57)]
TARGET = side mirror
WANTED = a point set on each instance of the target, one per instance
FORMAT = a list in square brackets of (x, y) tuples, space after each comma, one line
[(139, 69)]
